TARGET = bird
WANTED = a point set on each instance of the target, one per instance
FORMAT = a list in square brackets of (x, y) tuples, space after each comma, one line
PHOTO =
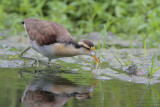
[(53, 40)]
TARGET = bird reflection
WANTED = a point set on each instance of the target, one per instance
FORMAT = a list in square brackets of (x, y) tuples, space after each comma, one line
[(54, 91)]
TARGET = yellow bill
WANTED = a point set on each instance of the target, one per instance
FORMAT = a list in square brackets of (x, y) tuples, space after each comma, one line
[(92, 48), (96, 59)]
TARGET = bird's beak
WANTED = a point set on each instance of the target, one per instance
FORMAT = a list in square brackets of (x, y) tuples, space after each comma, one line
[(93, 55)]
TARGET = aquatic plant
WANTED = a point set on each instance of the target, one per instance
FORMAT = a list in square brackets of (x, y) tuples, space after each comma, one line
[(104, 34), (118, 59), (131, 44), (128, 62), (153, 67)]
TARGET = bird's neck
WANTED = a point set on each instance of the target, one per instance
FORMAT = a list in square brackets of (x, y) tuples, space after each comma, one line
[(76, 48), (69, 49)]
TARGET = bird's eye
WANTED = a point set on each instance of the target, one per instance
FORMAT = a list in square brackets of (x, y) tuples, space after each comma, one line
[(88, 48)]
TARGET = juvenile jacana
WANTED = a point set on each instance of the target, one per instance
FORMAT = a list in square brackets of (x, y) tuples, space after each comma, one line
[(52, 40)]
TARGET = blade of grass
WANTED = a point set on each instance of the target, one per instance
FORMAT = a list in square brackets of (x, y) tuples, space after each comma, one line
[(145, 48), (118, 60)]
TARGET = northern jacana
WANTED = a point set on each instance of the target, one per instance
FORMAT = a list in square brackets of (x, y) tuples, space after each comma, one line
[(53, 41)]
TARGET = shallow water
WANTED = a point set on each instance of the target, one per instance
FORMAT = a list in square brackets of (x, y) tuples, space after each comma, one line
[(54, 88)]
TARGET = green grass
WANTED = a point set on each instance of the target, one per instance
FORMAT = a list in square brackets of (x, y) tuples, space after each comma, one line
[(131, 19), (145, 50), (153, 67), (132, 44)]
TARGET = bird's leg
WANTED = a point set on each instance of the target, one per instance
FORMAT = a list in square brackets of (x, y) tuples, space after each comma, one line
[(21, 54), (49, 61), (33, 63), (30, 58), (37, 63), (36, 60)]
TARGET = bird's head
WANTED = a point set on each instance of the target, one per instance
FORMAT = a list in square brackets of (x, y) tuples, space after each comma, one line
[(88, 48)]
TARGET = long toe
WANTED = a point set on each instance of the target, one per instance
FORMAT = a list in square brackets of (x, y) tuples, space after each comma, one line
[(55, 65)]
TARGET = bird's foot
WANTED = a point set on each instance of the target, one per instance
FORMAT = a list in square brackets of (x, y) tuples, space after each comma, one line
[(54, 65), (35, 61), (40, 61), (46, 63)]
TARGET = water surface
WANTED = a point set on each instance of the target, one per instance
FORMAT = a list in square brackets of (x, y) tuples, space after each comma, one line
[(51, 88)]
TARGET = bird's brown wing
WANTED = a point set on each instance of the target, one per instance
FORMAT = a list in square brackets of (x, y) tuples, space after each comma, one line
[(45, 32)]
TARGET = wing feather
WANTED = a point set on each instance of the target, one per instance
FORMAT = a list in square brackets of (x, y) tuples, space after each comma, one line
[(46, 32)]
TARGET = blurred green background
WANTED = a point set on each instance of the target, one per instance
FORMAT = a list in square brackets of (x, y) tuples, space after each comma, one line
[(128, 19)]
